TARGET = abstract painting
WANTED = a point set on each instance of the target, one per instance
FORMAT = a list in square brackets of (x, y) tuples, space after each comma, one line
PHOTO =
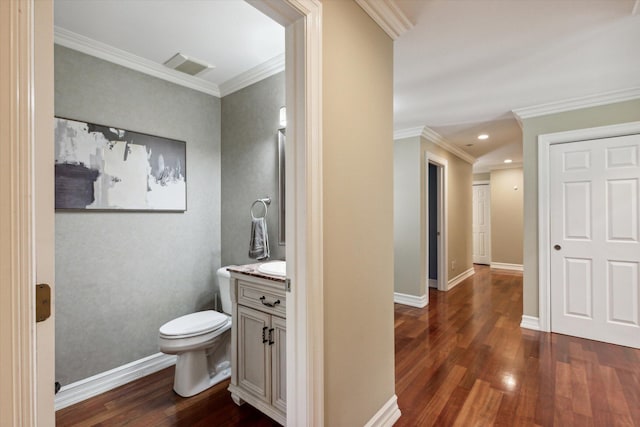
[(104, 168)]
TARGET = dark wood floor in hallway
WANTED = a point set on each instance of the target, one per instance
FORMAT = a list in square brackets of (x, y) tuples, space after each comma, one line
[(465, 361), (461, 361)]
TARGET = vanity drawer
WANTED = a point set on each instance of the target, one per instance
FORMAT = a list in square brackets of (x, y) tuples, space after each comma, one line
[(263, 298)]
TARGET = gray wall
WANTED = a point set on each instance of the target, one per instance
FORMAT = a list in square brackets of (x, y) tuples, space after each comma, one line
[(250, 121), (119, 276)]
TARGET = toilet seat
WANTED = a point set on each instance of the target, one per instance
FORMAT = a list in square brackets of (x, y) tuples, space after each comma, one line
[(194, 324)]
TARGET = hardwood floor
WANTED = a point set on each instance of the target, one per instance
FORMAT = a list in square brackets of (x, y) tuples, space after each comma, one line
[(461, 361), (465, 361)]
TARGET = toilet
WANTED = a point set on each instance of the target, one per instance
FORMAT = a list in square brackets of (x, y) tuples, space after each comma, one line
[(202, 342)]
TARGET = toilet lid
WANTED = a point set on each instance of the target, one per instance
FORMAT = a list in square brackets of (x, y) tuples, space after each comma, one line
[(194, 323)]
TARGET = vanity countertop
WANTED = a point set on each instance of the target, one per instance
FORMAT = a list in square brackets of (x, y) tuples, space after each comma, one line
[(252, 270)]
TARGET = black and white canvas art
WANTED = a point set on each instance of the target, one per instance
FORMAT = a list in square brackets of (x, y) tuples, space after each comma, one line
[(105, 168)]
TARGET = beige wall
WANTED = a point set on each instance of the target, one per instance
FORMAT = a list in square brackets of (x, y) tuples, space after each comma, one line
[(622, 112), (358, 214), (506, 216), (481, 176), (409, 233), (459, 208), (410, 203)]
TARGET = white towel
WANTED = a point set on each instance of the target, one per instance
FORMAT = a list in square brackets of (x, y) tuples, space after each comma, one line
[(259, 243)]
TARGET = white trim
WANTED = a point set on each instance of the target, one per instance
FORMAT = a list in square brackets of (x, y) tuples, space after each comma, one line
[(18, 385), (388, 16), (411, 300), (267, 69), (513, 165), (105, 381), (530, 322), (66, 38), (544, 145), (443, 211), (387, 415), (302, 20), (407, 133), (505, 266), (437, 139), (482, 182), (577, 103), (460, 278)]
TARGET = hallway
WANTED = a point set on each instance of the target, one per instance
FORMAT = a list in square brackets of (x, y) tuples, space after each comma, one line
[(464, 360)]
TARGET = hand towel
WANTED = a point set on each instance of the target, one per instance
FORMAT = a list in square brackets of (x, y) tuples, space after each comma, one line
[(259, 243)]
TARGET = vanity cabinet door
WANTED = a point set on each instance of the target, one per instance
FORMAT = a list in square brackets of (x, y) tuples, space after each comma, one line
[(279, 363), (254, 352)]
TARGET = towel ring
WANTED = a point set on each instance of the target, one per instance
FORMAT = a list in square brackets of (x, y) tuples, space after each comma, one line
[(265, 203)]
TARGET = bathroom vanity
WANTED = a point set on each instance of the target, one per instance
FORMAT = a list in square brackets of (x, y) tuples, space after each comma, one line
[(258, 341)]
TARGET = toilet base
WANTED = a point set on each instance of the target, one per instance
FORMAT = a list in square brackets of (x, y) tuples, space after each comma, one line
[(192, 374)]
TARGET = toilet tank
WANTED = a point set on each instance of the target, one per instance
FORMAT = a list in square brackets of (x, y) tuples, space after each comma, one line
[(224, 282)]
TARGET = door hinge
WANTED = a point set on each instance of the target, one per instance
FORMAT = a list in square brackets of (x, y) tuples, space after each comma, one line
[(287, 284), (43, 302)]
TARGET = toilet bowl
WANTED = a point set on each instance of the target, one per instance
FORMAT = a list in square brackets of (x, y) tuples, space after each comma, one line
[(202, 342)]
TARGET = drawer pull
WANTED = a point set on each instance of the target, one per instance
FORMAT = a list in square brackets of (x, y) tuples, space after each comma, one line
[(271, 341), (268, 304), (264, 334)]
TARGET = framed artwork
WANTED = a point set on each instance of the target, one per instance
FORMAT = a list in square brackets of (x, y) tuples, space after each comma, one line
[(104, 168)]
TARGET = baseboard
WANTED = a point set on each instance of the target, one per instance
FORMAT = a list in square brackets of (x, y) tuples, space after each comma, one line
[(105, 381), (505, 266), (530, 322), (387, 415), (411, 300), (460, 278)]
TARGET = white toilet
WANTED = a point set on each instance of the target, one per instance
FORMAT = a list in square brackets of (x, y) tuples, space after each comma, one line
[(202, 342)]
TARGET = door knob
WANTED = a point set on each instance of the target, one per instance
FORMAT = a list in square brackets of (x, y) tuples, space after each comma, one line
[(557, 247)]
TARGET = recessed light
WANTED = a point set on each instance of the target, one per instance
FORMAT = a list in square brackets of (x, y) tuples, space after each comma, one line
[(483, 136), (508, 161)]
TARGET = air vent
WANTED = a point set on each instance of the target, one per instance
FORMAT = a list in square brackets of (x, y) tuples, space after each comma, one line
[(185, 64)]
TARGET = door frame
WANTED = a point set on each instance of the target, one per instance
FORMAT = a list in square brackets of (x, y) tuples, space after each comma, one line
[(443, 198), (545, 141), (25, 120)]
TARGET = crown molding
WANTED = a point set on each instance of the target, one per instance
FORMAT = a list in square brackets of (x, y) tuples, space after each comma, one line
[(636, 8), (513, 165), (576, 103), (109, 53), (437, 139), (253, 75), (407, 133), (387, 15)]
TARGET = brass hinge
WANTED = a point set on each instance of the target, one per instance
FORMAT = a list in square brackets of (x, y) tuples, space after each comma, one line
[(43, 302)]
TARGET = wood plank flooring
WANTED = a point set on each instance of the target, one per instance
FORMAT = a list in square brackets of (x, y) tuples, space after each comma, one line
[(461, 361)]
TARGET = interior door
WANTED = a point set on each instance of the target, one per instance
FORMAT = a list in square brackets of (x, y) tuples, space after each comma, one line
[(595, 247), (481, 224)]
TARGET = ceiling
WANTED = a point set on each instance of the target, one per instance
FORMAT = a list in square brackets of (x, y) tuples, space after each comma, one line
[(461, 70)]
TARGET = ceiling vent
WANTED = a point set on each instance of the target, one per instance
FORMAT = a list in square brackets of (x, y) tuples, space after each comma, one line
[(185, 64)]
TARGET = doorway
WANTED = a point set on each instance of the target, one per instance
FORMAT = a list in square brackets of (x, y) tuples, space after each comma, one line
[(436, 247), (589, 234), (31, 42), (481, 224)]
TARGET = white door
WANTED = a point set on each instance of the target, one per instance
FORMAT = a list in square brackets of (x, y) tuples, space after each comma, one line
[(595, 254), (481, 224)]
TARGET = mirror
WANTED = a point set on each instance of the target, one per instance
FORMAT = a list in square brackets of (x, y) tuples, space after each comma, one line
[(281, 187)]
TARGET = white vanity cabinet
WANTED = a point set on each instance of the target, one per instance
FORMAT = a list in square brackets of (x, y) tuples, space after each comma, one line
[(258, 344)]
